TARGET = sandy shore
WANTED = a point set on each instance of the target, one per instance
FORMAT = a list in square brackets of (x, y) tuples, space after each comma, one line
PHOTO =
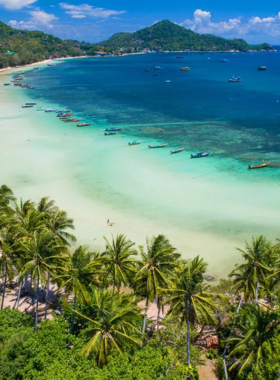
[(201, 215)]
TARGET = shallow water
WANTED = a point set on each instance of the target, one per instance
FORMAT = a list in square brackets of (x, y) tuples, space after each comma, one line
[(205, 206)]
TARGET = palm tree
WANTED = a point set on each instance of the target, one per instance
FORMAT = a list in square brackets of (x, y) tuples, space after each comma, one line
[(189, 300), (8, 237), (254, 327), (58, 222), (46, 205), (256, 268), (80, 270), (43, 253), (156, 265), (6, 196), (118, 261), (114, 325)]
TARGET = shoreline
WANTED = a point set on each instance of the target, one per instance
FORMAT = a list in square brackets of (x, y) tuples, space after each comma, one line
[(44, 62), (93, 193)]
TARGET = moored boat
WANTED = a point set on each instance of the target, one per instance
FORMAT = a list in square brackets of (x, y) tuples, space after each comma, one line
[(7, 84), (30, 104), (259, 166), (110, 133), (26, 106), (157, 146), (83, 124), (185, 69), (200, 154), (113, 129), (179, 56), (135, 142), (71, 120), (262, 68), (233, 79), (224, 60), (177, 150), (50, 110)]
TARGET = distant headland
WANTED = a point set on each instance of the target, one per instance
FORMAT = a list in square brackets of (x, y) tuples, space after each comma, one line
[(21, 47)]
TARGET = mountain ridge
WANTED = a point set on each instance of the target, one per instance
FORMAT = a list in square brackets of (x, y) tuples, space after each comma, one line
[(166, 35)]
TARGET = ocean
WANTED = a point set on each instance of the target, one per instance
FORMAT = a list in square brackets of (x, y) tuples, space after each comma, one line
[(205, 206)]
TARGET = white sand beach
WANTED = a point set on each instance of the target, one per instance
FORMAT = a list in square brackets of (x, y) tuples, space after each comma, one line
[(95, 179)]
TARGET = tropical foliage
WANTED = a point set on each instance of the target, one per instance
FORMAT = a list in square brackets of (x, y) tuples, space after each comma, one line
[(99, 331), (166, 35)]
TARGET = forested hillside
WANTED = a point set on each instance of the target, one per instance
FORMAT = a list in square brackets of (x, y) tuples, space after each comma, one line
[(165, 35), (20, 47)]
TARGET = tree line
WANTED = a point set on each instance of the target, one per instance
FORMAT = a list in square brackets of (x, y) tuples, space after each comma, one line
[(101, 327)]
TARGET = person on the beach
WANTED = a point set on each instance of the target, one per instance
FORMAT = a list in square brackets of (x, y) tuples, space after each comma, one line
[(108, 221)]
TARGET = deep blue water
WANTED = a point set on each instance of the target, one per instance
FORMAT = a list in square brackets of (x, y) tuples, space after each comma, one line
[(198, 109)]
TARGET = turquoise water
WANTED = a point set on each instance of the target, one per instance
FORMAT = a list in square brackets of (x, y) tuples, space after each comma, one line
[(199, 109), (205, 206)]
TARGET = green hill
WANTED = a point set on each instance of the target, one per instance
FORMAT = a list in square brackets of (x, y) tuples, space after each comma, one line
[(19, 47), (165, 35)]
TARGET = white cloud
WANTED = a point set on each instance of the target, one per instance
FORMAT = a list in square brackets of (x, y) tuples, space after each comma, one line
[(258, 20), (41, 17), (16, 4), (233, 27), (84, 10), (38, 19)]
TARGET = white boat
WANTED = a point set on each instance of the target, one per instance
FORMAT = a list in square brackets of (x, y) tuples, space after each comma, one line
[(168, 81)]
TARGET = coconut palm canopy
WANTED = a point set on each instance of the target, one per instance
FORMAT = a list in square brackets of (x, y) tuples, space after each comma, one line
[(114, 325), (254, 327)]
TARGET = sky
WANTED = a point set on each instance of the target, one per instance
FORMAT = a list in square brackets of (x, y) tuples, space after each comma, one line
[(96, 20)]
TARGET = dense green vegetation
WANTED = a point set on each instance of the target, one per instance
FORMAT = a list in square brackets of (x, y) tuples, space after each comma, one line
[(99, 331), (21, 47), (34, 46), (166, 35)]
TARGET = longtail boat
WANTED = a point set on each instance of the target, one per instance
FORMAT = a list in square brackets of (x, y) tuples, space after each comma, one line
[(50, 110), (110, 133), (113, 129), (30, 104), (83, 124), (201, 154), (135, 142), (177, 150), (71, 120), (60, 115), (259, 166), (26, 106), (157, 146)]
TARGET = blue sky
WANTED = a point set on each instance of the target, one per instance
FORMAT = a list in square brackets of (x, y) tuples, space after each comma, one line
[(95, 21)]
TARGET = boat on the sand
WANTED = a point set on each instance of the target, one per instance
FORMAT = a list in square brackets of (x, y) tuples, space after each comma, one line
[(177, 150), (157, 146), (200, 154), (259, 166)]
